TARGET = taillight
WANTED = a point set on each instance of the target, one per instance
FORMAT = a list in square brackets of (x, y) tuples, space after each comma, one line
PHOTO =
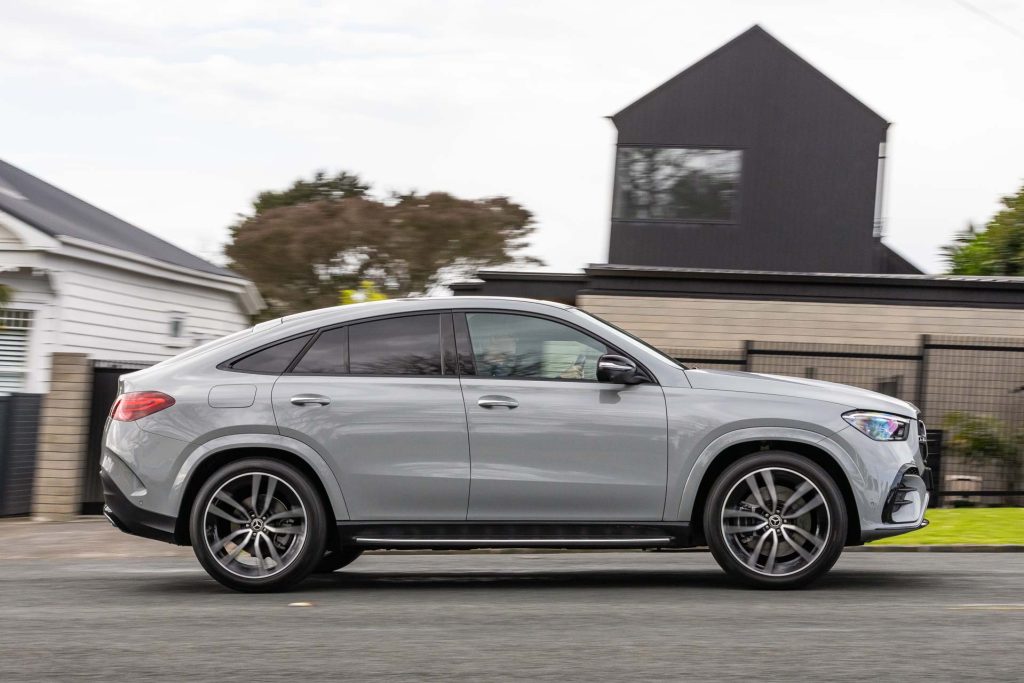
[(139, 404)]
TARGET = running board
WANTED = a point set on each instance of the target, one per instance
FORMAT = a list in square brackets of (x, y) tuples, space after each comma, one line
[(466, 535)]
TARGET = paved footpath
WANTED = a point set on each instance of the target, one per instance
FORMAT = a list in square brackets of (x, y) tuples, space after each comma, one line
[(104, 606)]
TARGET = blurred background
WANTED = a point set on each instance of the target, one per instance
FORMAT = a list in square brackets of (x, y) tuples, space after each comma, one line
[(821, 189)]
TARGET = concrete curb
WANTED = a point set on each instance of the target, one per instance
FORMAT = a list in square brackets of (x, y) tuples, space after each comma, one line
[(94, 538), (952, 548)]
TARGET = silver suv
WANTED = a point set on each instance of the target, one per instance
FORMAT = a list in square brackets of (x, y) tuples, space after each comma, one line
[(294, 446)]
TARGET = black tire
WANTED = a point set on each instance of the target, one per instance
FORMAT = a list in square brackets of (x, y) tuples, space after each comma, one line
[(299, 491), (732, 497), (335, 559)]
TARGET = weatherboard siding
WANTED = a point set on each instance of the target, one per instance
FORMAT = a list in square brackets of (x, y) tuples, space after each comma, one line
[(115, 314), (669, 322), (8, 240)]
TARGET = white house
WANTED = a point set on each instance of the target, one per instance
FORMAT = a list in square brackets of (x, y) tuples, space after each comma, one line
[(84, 281), (91, 296)]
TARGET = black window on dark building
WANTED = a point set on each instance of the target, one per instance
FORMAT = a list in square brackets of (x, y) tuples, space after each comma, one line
[(273, 359), (409, 345), (327, 356), (676, 184)]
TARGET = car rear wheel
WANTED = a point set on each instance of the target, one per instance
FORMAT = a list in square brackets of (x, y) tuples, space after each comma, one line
[(258, 525), (775, 520)]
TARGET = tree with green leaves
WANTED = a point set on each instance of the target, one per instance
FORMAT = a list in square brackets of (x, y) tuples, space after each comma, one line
[(996, 250), (304, 246), (5, 295)]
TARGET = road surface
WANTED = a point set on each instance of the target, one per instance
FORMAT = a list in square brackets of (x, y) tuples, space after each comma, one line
[(558, 617)]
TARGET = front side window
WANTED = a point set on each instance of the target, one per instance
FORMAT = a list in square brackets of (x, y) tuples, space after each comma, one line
[(519, 346), (409, 345), (676, 184)]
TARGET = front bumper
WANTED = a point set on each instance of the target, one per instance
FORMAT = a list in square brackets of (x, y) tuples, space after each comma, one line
[(130, 518)]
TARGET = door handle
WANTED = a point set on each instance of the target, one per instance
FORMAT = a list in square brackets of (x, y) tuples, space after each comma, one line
[(310, 399), (497, 402)]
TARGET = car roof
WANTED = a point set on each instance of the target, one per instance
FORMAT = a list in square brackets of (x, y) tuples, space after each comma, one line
[(337, 314)]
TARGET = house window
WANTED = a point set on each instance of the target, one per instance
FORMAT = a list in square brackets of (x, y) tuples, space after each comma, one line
[(14, 337), (677, 184), (177, 330)]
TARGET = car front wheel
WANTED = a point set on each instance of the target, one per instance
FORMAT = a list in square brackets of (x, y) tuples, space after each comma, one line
[(775, 520), (258, 525)]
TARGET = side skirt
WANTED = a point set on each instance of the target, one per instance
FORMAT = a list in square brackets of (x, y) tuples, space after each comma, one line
[(487, 534)]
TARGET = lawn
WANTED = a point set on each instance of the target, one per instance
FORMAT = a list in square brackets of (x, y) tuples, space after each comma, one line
[(966, 525)]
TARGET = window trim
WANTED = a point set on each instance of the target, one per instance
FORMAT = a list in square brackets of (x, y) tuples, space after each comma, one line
[(734, 219), (612, 348), (461, 337)]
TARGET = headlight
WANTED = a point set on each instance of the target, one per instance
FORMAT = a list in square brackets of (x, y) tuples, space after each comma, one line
[(879, 426)]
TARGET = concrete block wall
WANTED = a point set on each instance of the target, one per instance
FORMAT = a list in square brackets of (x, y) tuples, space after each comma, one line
[(63, 436), (678, 322)]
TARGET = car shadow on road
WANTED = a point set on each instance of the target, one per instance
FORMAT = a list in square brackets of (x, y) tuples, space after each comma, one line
[(877, 582)]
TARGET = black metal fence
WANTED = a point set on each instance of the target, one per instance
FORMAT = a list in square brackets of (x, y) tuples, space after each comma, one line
[(19, 432), (970, 391)]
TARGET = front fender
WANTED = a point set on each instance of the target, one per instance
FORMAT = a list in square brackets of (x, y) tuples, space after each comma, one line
[(687, 494), (200, 452)]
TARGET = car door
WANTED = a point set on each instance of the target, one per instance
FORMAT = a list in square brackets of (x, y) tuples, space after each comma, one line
[(381, 401), (547, 440)]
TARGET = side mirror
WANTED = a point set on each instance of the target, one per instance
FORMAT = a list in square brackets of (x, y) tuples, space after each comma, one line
[(615, 369)]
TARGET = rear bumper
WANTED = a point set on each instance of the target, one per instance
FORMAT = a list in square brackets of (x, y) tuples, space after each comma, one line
[(130, 518)]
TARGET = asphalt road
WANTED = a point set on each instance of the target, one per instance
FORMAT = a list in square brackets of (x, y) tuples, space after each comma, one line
[(564, 617)]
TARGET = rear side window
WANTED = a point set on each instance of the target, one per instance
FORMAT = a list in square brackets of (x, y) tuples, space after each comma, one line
[(272, 359), (327, 356), (409, 345)]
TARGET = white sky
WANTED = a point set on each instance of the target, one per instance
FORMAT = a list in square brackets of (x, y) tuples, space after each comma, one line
[(173, 115)]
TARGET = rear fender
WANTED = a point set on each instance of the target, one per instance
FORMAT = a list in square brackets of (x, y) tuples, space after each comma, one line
[(270, 441)]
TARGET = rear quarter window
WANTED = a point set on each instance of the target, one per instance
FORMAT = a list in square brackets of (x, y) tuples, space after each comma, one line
[(273, 359)]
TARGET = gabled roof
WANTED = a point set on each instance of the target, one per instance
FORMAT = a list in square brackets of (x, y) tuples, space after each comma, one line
[(750, 38), (57, 213)]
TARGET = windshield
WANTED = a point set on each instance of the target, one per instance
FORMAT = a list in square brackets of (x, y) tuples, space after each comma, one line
[(616, 328)]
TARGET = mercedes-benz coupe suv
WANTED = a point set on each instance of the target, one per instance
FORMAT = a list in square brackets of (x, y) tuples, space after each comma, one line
[(456, 423)]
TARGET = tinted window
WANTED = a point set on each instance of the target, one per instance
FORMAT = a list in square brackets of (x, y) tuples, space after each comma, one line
[(522, 346), (273, 359), (328, 355), (410, 345), (673, 183)]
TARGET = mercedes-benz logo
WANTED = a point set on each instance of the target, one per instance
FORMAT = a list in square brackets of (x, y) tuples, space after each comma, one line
[(775, 521), (257, 524)]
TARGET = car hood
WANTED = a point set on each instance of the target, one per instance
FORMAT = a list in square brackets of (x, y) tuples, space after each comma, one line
[(797, 387)]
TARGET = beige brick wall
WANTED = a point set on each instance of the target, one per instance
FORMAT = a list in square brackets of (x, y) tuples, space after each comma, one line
[(63, 433), (671, 323)]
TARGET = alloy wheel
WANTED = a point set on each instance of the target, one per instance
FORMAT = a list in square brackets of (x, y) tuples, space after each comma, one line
[(255, 525), (775, 521)]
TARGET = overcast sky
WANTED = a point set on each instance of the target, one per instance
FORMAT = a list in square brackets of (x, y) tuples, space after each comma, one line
[(172, 115)]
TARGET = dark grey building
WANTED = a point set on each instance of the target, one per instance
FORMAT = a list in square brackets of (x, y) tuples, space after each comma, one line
[(751, 159), (745, 236)]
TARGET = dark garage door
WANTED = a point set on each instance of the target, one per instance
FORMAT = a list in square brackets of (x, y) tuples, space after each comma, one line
[(104, 391)]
